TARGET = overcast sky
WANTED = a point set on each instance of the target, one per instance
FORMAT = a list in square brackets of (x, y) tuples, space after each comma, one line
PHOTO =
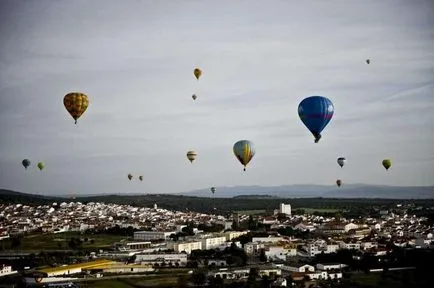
[(135, 61)]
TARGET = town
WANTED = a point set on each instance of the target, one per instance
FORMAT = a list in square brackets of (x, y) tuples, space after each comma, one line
[(97, 241)]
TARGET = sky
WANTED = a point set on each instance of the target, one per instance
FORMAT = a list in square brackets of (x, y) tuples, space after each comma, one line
[(135, 61)]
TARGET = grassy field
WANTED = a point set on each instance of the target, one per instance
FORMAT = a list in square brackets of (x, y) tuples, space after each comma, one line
[(321, 210), (251, 212), (392, 279), (59, 241), (164, 280)]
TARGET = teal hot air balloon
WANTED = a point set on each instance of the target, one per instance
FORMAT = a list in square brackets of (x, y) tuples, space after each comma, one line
[(244, 150), (316, 112), (26, 163)]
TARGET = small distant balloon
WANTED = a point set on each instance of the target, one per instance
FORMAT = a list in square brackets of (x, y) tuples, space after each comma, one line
[(141, 178), (130, 176), (387, 163), (212, 190), (41, 166), (368, 61), (197, 73), (339, 183), (191, 155), (26, 163), (194, 96), (341, 161)]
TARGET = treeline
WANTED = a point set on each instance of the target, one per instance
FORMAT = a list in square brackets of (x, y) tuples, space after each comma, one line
[(351, 207)]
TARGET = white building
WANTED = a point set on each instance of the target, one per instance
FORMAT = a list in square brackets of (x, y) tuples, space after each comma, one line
[(179, 258), (301, 269), (234, 234), (6, 270), (187, 247), (152, 235), (213, 242), (329, 266), (285, 209)]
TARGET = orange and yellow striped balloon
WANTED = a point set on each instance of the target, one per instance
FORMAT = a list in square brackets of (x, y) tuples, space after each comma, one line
[(76, 104)]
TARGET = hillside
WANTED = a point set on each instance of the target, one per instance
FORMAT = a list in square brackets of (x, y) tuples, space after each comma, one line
[(307, 191), (222, 205)]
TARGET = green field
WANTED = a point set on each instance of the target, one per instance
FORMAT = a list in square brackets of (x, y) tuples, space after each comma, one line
[(320, 210), (251, 212), (391, 279), (49, 241), (163, 280)]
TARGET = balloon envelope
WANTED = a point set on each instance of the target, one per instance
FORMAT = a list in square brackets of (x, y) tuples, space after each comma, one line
[(244, 150), (141, 178), (26, 163), (197, 73), (316, 112), (130, 176), (194, 96), (76, 104), (341, 161), (339, 183), (41, 165), (213, 190), (387, 163), (191, 155)]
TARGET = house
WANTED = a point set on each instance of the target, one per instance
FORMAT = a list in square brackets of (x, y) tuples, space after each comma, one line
[(329, 266), (300, 268)]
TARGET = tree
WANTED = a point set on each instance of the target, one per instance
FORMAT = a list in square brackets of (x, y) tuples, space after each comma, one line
[(198, 277), (262, 256), (16, 242)]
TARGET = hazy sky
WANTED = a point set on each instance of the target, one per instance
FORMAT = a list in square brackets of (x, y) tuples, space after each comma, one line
[(135, 61)]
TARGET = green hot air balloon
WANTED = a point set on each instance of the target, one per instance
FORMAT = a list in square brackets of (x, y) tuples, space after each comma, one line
[(387, 163), (41, 166)]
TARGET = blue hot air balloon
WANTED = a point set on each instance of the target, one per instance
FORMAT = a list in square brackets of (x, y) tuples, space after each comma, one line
[(316, 112)]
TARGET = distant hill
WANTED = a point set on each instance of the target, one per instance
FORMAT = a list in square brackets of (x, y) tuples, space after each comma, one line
[(309, 191), (355, 199), (9, 196)]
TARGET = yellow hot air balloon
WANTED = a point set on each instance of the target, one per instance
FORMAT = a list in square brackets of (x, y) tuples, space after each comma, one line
[(76, 104), (244, 150), (387, 163), (191, 155), (197, 73)]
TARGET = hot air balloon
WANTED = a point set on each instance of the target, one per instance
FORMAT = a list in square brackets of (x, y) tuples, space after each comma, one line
[(368, 61), (76, 103), (191, 155), (197, 73), (244, 150), (41, 165), (339, 183), (26, 163), (387, 163), (316, 112), (194, 96), (141, 178), (130, 176), (341, 161), (213, 190)]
